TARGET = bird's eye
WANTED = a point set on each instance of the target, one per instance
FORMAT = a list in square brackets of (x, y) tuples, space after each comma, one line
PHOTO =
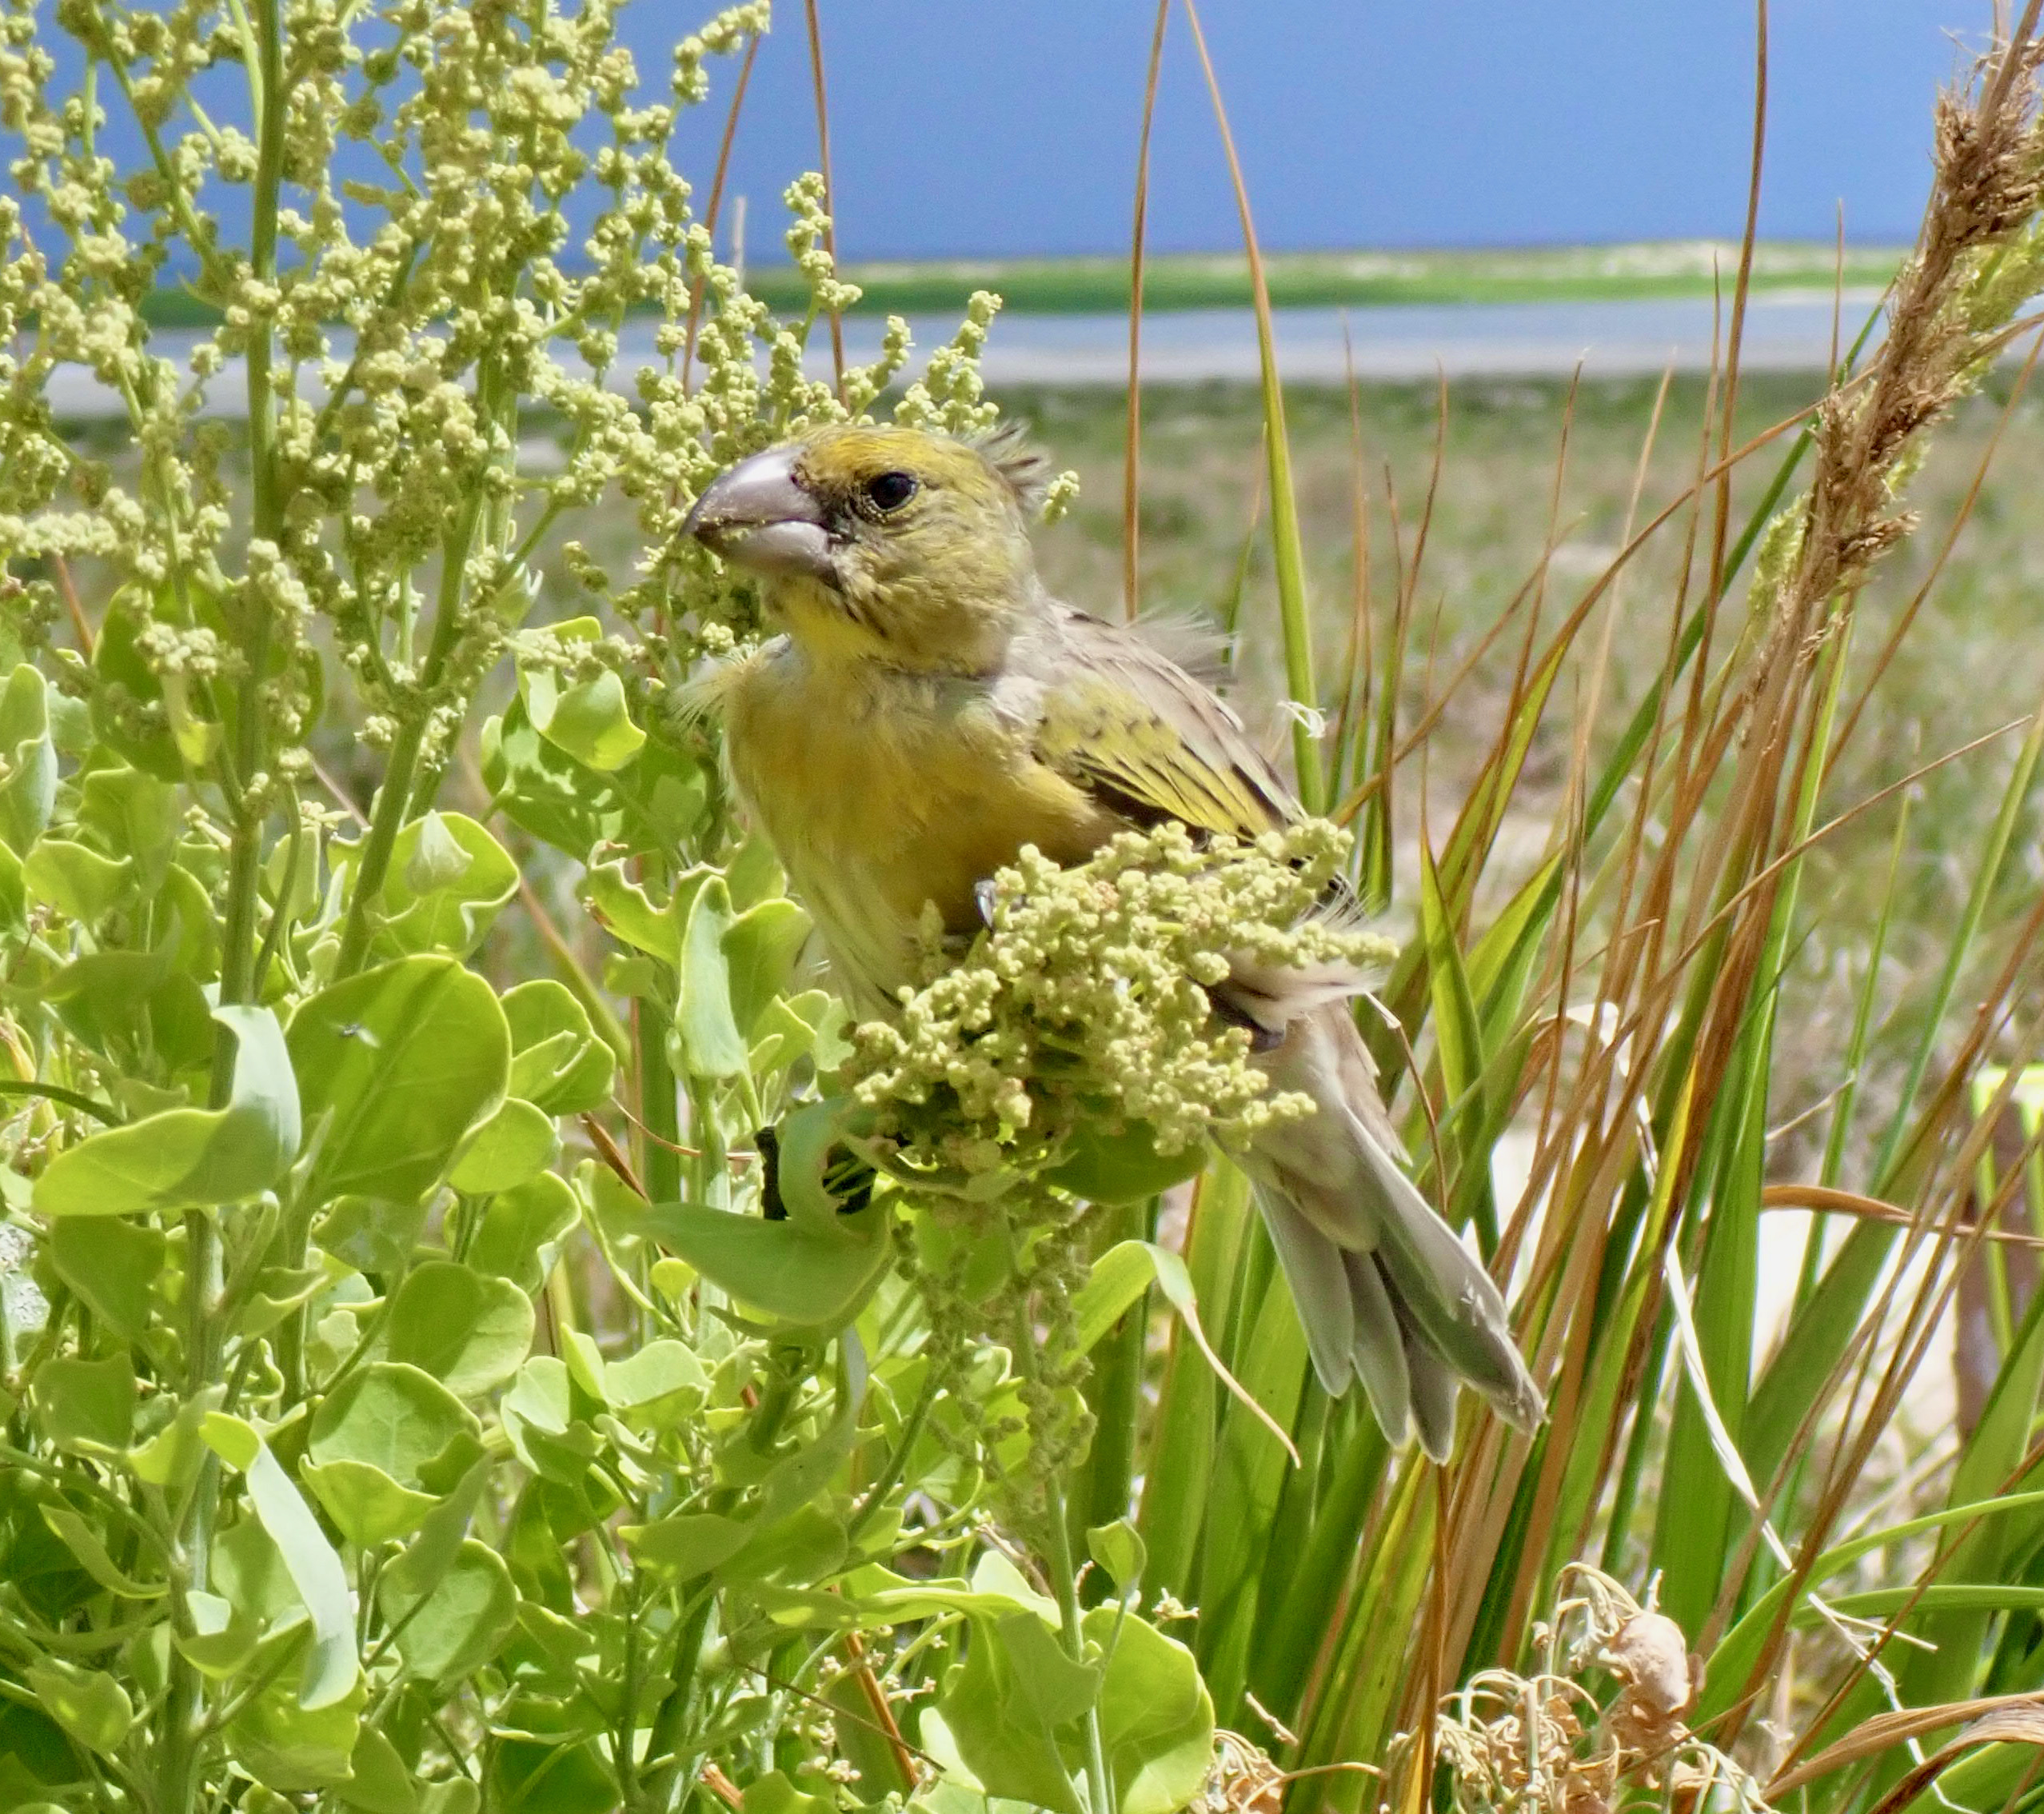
[(889, 491)]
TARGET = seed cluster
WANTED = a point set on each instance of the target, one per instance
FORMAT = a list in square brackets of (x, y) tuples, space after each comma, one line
[(1088, 999)]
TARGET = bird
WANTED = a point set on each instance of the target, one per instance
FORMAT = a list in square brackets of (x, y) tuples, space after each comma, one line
[(927, 709)]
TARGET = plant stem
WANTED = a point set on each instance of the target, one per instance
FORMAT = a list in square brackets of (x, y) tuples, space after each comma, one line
[(1057, 1518), (393, 799)]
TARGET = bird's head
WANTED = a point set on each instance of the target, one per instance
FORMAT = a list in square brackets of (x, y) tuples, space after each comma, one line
[(884, 543)]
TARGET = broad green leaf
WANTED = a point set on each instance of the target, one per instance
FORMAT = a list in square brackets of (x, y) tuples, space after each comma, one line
[(223, 1638), (88, 1704), (14, 892), (466, 1615), (379, 1779), (113, 1266), (371, 1234), (135, 816), (1105, 1165), (87, 1406), (391, 1416), (428, 1555), (1118, 1550), (545, 792), (539, 1417), (787, 1271), (623, 907), (711, 1045), (993, 1704), (761, 946), (448, 880), (76, 882), (520, 1229), (28, 760), (189, 1158), (557, 1062), (544, 1775), (774, 1794), (997, 1588), (516, 1144), (291, 1746), (403, 1060), (470, 1332), (366, 1505), (170, 1458), (657, 1385), (589, 719), (1156, 1720), (331, 1675), (688, 1544)]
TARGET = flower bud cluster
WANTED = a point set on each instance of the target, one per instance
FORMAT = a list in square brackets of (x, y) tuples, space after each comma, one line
[(1089, 1000)]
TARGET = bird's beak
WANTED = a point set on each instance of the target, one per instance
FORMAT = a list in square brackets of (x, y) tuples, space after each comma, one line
[(758, 515)]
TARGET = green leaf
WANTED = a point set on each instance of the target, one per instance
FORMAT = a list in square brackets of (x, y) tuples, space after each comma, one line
[(760, 949), (624, 909), (711, 1044), (86, 1406), (290, 1747), (516, 1144), (392, 1417), (1118, 1550), (589, 719), (331, 1674), (558, 1063), (1121, 1276), (91, 1706), (428, 1555), (538, 1415), (774, 1794), (379, 1779), (544, 791), (1156, 1718), (791, 1272), (366, 1505), (460, 1622), (189, 1158), (688, 1544), (83, 1542), (75, 881), (657, 1385), (1105, 1165), (136, 816), (404, 1060), (547, 1777), (113, 1266), (28, 760), (448, 880), (470, 1332), (223, 1638), (370, 1234), (994, 1705), (519, 1232)]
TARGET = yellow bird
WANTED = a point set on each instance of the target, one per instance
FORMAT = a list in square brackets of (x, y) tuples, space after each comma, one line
[(929, 710)]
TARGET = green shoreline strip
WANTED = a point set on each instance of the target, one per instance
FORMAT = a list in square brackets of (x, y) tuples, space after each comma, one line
[(1085, 285)]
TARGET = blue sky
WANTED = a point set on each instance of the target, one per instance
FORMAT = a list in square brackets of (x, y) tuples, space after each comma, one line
[(1008, 127)]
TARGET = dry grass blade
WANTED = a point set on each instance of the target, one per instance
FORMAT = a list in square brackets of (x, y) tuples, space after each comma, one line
[(2010, 1719), (829, 190), (1132, 458)]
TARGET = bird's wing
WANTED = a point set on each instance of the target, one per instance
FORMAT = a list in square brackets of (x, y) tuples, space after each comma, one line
[(1122, 721)]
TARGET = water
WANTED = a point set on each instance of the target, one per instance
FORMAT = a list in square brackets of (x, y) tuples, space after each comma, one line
[(1785, 331)]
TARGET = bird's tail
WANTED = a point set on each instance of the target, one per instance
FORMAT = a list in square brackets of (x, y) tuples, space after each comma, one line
[(1387, 1294)]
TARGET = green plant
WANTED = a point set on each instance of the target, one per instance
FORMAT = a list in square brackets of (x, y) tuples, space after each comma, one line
[(424, 1387)]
